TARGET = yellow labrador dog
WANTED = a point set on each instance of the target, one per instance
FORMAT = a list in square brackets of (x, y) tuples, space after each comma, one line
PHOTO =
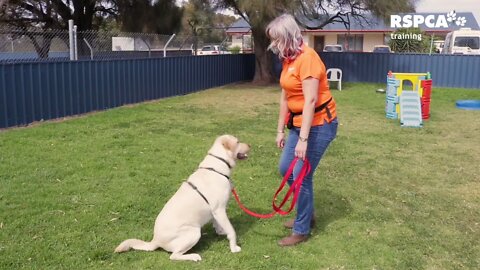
[(203, 196)]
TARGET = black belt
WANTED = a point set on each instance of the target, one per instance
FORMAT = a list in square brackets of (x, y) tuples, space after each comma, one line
[(317, 109)]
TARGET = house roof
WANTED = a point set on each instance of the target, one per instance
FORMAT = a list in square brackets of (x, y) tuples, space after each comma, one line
[(370, 23), (239, 27)]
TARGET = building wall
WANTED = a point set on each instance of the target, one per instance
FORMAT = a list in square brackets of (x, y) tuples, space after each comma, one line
[(331, 39), (237, 40), (372, 39), (369, 39), (308, 39), (243, 41)]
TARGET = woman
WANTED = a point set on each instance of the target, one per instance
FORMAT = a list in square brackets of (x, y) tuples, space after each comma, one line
[(312, 119)]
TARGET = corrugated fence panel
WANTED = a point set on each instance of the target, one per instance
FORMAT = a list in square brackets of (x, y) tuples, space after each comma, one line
[(32, 92), (462, 71)]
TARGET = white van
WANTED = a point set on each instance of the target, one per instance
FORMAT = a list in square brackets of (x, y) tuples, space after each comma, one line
[(463, 41)]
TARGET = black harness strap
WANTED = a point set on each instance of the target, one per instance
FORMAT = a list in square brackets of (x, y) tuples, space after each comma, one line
[(317, 109), (213, 170), (222, 159), (198, 191)]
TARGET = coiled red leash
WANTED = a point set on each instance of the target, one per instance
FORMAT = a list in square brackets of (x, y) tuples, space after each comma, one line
[(294, 188)]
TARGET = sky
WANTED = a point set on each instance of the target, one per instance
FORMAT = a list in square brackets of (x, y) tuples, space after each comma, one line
[(449, 5)]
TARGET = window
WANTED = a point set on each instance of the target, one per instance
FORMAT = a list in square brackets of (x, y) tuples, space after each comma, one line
[(471, 42), (351, 42)]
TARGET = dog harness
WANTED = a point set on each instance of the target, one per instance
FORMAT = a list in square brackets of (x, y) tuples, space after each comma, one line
[(198, 191), (289, 120), (213, 170)]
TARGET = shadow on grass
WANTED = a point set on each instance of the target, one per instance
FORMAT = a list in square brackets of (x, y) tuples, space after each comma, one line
[(241, 223), (329, 206)]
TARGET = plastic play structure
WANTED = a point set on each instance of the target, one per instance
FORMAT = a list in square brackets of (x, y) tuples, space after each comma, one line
[(412, 106)]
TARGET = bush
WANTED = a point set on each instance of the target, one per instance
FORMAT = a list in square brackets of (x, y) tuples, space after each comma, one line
[(234, 49), (410, 40)]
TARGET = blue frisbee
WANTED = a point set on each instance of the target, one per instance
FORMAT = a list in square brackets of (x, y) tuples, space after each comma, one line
[(468, 104)]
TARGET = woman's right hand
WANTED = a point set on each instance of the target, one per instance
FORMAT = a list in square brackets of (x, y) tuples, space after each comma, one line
[(280, 140)]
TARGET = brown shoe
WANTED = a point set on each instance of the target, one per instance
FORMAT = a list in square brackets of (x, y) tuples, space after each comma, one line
[(292, 240), (289, 223)]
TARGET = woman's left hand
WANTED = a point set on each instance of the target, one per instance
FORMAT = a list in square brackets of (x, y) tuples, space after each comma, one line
[(301, 150)]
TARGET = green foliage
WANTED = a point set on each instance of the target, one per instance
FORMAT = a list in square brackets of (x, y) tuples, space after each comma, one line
[(54, 14), (411, 40), (385, 8), (235, 49), (201, 22), (386, 197), (161, 17)]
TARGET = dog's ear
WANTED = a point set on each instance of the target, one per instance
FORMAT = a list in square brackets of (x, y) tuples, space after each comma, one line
[(229, 143)]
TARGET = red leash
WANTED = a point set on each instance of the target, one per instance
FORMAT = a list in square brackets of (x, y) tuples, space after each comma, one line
[(294, 188)]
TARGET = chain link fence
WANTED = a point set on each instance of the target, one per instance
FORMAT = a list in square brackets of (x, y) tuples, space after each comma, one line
[(26, 45), (115, 45), (21, 45)]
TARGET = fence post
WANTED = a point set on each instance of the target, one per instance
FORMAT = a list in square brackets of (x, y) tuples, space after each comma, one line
[(431, 43), (89, 47), (166, 45), (72, 43), (75, 41), (148, 47)]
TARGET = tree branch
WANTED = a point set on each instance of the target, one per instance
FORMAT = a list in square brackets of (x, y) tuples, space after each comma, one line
[(234, 5), (111, 11), (63, 10)]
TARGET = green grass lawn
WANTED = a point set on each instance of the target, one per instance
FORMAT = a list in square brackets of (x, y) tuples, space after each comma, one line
[(386, 197)]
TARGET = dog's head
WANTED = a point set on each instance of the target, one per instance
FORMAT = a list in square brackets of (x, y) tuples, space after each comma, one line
[(233, 147)]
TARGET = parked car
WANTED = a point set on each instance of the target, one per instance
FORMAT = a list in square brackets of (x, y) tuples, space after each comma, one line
[(213, 50), (381, 49), (333, 48)]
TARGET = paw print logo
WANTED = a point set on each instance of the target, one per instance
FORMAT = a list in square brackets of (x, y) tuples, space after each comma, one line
[(461, 21), (451, 16)]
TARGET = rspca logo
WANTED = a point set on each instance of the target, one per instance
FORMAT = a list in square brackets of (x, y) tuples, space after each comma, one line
[(430, 21)]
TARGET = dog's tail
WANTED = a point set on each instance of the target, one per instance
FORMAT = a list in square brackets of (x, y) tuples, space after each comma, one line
[(137, 245)]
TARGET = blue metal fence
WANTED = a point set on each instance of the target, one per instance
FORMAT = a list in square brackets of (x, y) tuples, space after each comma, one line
[(462, 71), (32, 92)]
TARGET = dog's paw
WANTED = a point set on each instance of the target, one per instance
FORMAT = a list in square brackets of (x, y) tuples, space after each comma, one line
[(235, 249), (185, 257), (194, 257)]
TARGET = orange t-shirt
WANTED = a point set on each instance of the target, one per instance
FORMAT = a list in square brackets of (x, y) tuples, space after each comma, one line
[(307, 64)]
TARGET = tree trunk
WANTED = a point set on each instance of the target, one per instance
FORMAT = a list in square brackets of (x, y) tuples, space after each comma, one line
[(264, 74), (83, 19), (41, 43)]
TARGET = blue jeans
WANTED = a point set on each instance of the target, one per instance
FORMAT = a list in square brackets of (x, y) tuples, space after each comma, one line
[(318, 141)]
